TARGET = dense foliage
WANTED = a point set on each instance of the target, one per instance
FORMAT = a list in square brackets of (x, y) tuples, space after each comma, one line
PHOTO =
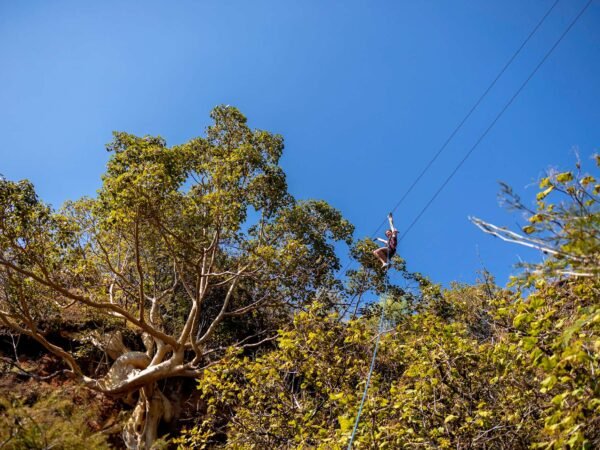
[(185, 251), (43, 416), (194, 267), (465, 367)]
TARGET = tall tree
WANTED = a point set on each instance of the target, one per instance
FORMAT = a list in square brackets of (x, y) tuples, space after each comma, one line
[(179, 243)]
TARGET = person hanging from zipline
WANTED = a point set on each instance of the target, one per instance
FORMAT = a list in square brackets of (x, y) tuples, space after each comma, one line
[(384, 254)]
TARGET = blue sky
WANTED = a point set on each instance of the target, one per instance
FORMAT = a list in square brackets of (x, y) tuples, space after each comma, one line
[(364, 93)]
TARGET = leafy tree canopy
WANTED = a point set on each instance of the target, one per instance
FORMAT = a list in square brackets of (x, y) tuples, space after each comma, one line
[(180, 243)]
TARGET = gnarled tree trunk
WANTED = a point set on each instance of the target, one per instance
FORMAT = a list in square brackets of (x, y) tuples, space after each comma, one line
[(141, 430)]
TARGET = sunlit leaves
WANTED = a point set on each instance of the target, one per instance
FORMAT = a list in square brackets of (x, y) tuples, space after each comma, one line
[(564, 177), (470, 367), (543, 194)]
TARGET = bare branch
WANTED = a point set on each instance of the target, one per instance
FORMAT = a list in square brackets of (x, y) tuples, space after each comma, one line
[(511, 236), (240, 345), (87, 301), (571, 273), (221, 314), (56, 350), (28, 373), (248, 308), (138, 264), (121, 379)]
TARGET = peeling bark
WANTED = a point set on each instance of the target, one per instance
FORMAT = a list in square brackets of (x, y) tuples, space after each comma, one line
[(141, 429), (111, 343)]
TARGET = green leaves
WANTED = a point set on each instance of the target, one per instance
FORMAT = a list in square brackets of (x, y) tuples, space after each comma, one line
[(537, 218), (564, 177), (450, 418), (522, 318), (196, 246), (461, 367), (542, 195), (587, 180), (529, 229), (467, 365), (548, 383)]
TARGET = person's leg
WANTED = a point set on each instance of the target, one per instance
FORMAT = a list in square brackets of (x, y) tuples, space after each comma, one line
[(381, 254), (376, 254)]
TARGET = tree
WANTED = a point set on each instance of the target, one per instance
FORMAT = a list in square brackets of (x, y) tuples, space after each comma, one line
[(180, 242)]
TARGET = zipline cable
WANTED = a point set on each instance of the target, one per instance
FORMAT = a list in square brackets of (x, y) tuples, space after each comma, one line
[(445, 183), (465, 118), (471, 111), (498, 116), (488, 129)]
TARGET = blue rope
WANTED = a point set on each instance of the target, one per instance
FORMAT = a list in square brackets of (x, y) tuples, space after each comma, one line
[(364, 397)]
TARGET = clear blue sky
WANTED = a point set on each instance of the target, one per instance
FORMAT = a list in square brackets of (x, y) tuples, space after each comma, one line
[(364, 93)]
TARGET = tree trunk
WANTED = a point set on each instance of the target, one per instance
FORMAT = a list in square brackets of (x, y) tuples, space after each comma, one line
[(141, 429)]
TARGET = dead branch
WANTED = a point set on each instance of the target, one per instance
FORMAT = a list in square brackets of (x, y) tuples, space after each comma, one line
[(515, 238)]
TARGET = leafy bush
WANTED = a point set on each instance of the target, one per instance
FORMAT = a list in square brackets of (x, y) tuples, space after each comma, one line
[(53, 420), (468, 367)]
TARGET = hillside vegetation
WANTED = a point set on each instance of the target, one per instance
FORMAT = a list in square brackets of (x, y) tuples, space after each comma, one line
[(194, 303)]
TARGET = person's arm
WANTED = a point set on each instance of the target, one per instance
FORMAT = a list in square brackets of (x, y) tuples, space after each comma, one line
[(391, 220)]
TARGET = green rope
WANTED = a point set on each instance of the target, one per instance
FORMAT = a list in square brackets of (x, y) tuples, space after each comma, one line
[(379, 332), (364, 397)]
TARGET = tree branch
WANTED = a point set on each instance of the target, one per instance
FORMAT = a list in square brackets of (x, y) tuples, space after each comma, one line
[(510, 236), (138, 264), (103, 305), (221, 314), (54, 349)]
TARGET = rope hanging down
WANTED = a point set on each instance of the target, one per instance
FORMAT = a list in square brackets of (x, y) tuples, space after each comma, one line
[(368, 382), (364, 397)]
